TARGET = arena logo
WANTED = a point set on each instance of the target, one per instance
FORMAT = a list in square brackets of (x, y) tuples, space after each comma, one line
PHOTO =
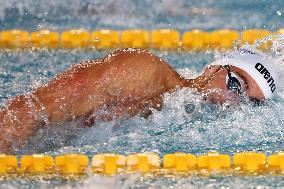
[(266, 75), (246, 51)]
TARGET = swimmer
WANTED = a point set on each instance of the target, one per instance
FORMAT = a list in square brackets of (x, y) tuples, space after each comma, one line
[(129, 81)]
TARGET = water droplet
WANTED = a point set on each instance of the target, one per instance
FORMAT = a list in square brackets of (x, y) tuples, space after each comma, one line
[(279, 13)]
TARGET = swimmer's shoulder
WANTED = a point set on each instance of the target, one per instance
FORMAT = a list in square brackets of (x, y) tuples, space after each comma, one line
[(121, 57), (141, 62), (133, 55), (120, 61)]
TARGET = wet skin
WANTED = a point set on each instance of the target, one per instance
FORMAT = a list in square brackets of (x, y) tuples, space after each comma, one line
[(127, 81)]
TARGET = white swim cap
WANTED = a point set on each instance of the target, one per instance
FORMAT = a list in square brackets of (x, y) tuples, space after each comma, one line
[(257, 65)]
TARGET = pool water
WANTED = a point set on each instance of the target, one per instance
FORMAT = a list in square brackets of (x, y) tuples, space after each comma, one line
[(186, 124)]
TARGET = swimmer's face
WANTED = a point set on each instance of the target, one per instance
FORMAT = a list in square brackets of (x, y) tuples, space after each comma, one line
[(225, 84)]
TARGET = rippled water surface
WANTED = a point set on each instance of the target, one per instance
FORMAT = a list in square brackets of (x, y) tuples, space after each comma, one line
[(185, 124)]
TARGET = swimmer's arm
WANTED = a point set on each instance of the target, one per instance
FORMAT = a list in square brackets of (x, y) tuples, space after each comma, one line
[(73, 93), (18, 121), (67, 96), (70, 94)]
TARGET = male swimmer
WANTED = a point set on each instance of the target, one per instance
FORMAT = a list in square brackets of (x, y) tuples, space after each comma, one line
[(129, 81)]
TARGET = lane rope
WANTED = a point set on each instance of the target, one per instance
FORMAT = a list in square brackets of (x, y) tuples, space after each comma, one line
[(163, 39), (212, 163)]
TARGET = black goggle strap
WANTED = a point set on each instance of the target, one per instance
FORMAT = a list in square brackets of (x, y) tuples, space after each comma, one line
[(233, 84)]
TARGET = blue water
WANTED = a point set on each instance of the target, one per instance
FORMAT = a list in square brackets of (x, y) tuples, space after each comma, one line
[(177, 127)]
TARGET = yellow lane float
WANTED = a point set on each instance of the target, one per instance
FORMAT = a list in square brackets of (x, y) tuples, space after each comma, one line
[(276, 163), (75, 39), (180, 162), (71, 164), (8, 164), (145, 163), (36, 164), (214, 162), (135, 38), (12, 39), (165, 39), (251, 35), (105, 39), (108, 164), (250, 163), (223, 39), (44, 38), (195, 40)]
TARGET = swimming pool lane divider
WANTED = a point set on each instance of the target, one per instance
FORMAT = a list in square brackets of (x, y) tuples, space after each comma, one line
[(164, 39), (212, 163)]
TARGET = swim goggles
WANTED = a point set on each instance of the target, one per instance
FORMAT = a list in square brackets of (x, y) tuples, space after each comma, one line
[(232, 81)]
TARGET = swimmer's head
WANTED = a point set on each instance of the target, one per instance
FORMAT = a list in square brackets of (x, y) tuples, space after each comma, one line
[(245, 71)]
